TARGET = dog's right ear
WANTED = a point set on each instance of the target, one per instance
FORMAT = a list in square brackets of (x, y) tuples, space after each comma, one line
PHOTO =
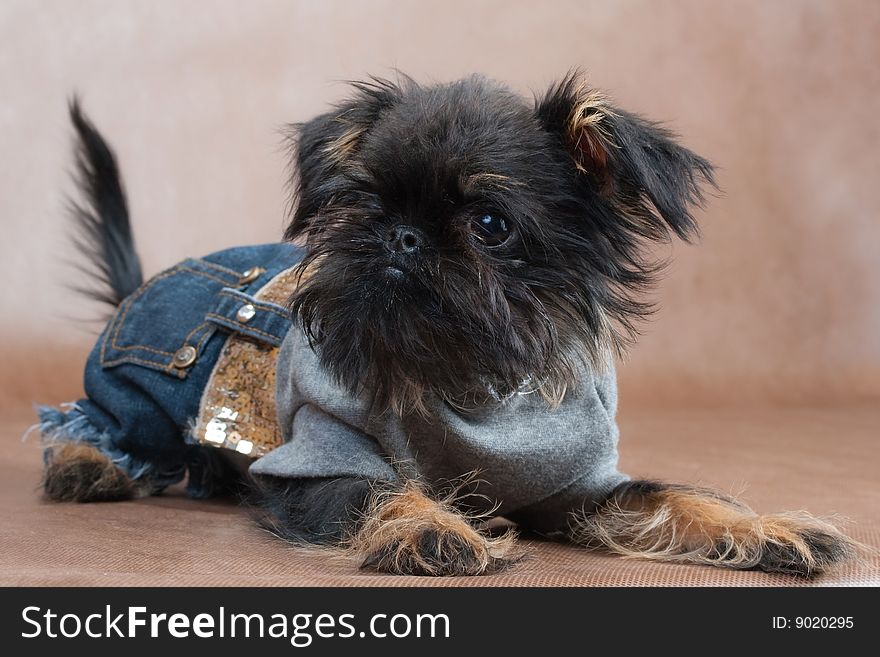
[(324, 146), (636, 165)]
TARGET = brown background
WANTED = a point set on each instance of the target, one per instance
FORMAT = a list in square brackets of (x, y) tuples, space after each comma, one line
[(778, 308), (780, 301)]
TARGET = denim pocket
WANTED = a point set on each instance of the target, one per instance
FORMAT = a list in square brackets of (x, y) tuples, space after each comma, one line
[(164, 324)]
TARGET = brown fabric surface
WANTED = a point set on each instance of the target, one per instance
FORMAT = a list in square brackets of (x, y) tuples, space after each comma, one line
[(824, 460), (782, 96)]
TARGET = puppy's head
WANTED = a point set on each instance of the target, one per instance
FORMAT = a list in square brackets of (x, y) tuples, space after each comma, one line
[(463, 241)]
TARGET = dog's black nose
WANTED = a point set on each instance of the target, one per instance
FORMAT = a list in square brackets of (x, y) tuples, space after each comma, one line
[(404, 239)]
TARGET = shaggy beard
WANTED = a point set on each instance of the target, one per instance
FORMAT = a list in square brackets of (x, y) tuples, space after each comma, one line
[(401, 342)]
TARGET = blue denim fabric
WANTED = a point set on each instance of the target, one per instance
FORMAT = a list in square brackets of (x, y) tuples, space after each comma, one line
[(139, 405)]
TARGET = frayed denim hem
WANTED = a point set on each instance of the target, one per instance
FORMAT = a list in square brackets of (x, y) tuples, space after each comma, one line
[(57, 425)]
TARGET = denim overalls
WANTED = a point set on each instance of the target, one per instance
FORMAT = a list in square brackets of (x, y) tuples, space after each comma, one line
[(146, 376)]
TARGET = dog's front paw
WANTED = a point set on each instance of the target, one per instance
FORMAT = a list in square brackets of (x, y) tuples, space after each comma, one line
[(409, 534), (434, 551), (669, 522), (796, 544)]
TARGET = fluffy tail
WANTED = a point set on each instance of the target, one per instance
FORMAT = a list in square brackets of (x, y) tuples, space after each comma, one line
[(103, 231)]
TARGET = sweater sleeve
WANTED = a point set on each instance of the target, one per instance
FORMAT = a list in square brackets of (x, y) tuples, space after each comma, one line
[(321, 425), (321, 445)]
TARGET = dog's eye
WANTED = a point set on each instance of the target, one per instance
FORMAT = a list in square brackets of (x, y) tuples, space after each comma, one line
[(491, 229)]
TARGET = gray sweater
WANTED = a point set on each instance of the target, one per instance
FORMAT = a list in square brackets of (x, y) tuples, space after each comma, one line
[(536, 463)]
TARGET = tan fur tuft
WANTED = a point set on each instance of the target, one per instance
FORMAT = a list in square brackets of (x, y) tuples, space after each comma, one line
[(409, 397), (77, 472), (475, 181), (341, 148), (586, 130), (407, 533), (699, 526)]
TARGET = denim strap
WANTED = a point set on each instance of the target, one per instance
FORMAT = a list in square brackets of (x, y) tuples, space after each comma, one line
[(264, 322)]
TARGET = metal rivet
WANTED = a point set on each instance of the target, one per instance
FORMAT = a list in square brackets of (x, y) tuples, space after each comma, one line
[(250, 275), (185, 356), (246, 313)]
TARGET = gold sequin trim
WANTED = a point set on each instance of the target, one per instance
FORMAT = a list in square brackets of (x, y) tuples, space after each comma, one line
[(238, 410)]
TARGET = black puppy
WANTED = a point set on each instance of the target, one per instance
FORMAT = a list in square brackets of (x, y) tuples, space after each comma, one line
[(472, 264)]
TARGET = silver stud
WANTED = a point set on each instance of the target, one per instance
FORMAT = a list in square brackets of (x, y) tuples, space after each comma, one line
[(244, 446), (250, 275), (184, 357), (246, 313)]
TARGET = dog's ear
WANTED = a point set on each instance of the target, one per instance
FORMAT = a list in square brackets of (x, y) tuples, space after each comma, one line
[(322, 147), (636, 165)]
